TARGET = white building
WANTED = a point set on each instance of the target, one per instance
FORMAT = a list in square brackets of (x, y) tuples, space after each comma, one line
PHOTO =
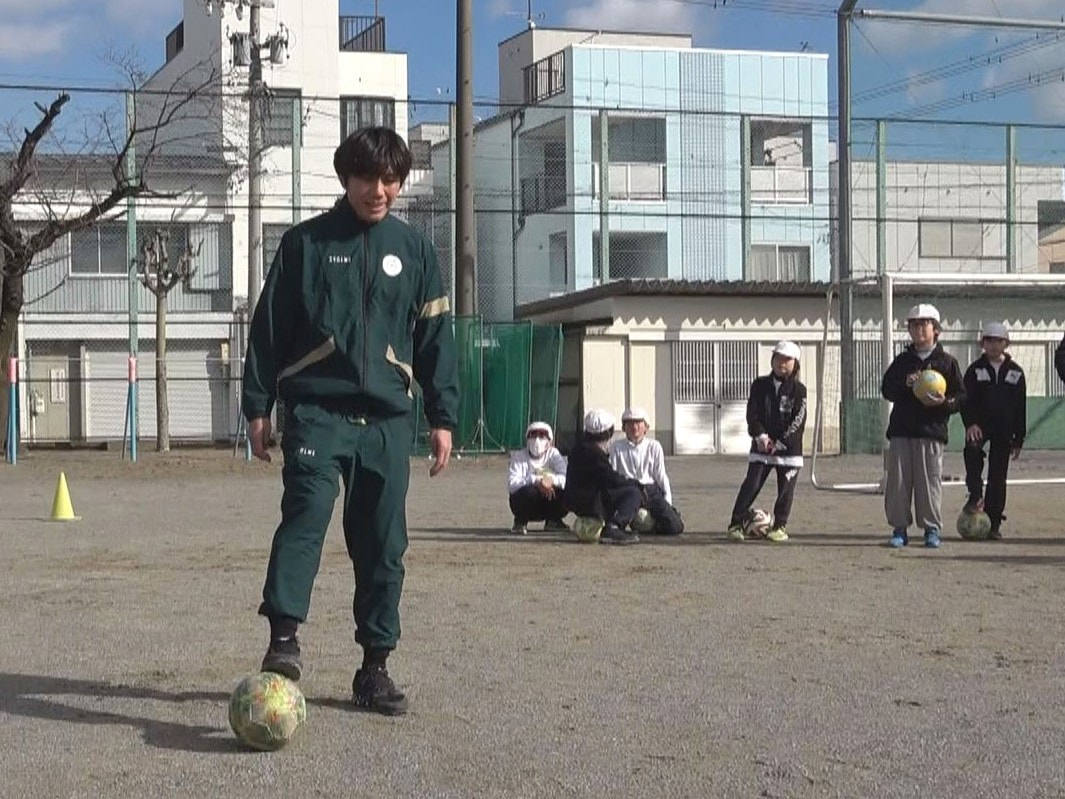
[(335, 75)]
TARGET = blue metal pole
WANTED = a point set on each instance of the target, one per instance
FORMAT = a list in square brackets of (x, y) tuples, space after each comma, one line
[(12, 411)]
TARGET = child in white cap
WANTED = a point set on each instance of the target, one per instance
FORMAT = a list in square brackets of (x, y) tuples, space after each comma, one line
[(994, 413), (917, 430), (537, 482), (776, 421), (594, 489), (642, 459)]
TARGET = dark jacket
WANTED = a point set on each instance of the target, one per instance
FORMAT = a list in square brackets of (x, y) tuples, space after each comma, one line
[(777, 413), (351, 314), (1059, 359), (588, 475), (996, 402), (910, 418)]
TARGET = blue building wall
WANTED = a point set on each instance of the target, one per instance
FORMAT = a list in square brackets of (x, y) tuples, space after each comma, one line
[(702, 95)]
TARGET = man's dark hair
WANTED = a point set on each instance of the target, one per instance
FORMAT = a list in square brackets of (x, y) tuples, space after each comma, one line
[(372, 153)]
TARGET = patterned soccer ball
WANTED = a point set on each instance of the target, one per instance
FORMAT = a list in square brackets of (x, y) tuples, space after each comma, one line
[(644, 523), (587, 529), (756, 523), (266, 710), (974, 526), (930, 382)]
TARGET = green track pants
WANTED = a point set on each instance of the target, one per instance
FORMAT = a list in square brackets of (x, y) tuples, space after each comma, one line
[(373, 460)]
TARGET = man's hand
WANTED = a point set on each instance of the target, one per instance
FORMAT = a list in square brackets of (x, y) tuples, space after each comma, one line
[(973, 434), (1015, 452), (933, 399), (259, 434), (912, 378), (546, 487), (440, 447)]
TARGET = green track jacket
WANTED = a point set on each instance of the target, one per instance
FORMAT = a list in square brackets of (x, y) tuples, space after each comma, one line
[(353, 312)]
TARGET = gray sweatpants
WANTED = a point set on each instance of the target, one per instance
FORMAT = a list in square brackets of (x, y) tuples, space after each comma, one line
[(914, 469)]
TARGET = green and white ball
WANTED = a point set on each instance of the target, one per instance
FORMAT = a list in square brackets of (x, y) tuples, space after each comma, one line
[(588, 529), (974, 526), (266, 710), (644, 523)]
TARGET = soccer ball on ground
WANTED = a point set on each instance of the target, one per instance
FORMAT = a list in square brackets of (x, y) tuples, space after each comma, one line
[(974, 526), (266, 710), (930, 382), (587, 529), (756, 523), (644, 523)]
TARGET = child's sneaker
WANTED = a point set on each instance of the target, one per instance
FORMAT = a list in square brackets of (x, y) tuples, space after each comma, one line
[(283, 657), (372, 689), (899, 538), (995, 534), (735, 533), (519, 528), (777, 535), (555, 526), (931, 538), (612, 534)]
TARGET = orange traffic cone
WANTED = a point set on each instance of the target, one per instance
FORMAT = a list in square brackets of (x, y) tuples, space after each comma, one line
[(62, 510)]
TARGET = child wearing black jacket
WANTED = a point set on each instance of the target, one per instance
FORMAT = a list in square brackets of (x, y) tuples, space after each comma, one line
[(995, 413), (917, 430), (776, 420), (594, 489)]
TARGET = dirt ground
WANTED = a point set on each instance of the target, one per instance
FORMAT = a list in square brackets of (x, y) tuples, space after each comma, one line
[(827, 666)]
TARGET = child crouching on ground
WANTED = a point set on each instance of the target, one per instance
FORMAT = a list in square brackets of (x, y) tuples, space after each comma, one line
[(594, 489)]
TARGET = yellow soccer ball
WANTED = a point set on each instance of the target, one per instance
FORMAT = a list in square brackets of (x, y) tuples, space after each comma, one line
[(930, 382)]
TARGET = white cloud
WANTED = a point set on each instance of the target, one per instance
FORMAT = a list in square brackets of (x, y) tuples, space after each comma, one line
[(664, 16), (29, 40)]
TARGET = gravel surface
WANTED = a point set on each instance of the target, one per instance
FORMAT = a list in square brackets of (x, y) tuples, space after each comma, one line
[(537, 666)]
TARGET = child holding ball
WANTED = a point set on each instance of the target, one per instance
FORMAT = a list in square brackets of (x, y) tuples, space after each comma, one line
[(917, 429)]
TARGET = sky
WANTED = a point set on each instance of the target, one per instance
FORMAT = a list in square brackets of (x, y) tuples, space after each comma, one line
[(909, 70)]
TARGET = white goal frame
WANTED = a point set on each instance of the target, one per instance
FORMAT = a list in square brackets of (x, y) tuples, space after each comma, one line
[(887, 282)]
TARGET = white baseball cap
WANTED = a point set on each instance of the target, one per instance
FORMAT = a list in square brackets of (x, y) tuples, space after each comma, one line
[(635, 414), (534, 426), (923, 310), (995, 330), (789, 349), (598, 421)]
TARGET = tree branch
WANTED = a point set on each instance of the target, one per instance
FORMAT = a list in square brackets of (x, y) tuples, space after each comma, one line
[(21, 171)]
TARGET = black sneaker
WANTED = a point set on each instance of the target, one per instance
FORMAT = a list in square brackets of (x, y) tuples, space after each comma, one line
[(555, 526), (283, 657), (373, 690), (612, 534), (519, 528), (996, 533)]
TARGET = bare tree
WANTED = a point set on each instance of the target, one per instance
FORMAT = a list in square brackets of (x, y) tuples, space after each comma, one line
[(161, 277), (72, 207)]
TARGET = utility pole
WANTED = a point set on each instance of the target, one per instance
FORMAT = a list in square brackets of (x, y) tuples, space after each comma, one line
[(277, 43), (465, 221)]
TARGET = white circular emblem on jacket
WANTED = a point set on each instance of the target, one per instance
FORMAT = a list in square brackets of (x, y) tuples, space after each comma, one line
[(391, 265)]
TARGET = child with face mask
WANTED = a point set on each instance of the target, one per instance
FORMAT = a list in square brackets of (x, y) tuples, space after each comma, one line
[(537, 482), (776, 420)]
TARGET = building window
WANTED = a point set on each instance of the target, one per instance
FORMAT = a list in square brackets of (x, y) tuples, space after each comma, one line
[(272, 241), (365, 112), (952, 238), (99, 250), (778, 262), (280, 117), (781, 161)]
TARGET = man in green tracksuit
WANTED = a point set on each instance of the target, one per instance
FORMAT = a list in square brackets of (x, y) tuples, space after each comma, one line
[(352, 311)]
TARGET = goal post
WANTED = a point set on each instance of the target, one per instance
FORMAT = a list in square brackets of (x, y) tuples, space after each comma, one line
[(853, 426)]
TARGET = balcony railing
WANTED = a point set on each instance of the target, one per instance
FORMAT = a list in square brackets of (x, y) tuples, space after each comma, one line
[(545, 78), (633, 181), (781, 184), (362, 34)]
